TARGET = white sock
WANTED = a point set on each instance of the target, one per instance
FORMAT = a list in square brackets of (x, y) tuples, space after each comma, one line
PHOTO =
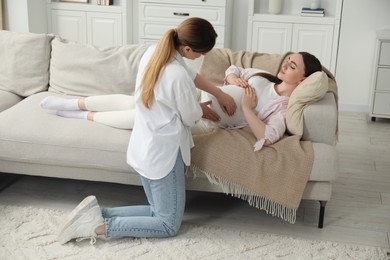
[(59, 103), (79, 114)]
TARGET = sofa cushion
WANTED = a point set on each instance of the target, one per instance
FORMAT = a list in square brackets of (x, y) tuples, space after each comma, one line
[(45, 138), (312, 89), (86, 70), (24, 66), (8, 99)]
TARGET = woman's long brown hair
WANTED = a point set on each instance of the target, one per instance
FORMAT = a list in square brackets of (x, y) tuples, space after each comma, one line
[(268, 76)]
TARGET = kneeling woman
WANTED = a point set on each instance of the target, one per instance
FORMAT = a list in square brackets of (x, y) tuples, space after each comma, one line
[(165, 108)]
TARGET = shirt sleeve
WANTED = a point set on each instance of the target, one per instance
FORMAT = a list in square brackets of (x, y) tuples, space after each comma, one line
[(274, 117), (274, 131), (188, 105), (245, 73)]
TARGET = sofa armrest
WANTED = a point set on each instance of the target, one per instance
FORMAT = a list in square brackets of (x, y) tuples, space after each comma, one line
[(8, 99), (321, 121)]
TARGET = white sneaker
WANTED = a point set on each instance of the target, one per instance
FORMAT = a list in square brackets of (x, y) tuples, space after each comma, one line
[(83, 206), (82, 222)]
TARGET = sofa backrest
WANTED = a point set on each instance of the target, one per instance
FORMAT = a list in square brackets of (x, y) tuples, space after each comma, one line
[(218, 60), (24, 62), (85, 70)]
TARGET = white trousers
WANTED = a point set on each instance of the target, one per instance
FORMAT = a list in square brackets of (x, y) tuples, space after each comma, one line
[(116, 110)]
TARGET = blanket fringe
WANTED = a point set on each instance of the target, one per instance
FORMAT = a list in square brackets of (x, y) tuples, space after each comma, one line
[(255, 200)]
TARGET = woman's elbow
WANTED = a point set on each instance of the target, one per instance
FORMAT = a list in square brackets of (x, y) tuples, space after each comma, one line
[(267, 142)]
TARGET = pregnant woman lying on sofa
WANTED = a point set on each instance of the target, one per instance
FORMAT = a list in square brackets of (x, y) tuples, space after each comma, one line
[(263, 100)]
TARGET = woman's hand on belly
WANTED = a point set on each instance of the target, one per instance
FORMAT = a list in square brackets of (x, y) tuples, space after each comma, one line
[(208, 113)]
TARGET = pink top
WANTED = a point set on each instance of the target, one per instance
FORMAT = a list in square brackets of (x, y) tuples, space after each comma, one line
[(273, 114), (246, 73)]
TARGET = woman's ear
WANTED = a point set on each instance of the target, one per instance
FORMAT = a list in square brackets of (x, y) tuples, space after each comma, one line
[(187, 48)]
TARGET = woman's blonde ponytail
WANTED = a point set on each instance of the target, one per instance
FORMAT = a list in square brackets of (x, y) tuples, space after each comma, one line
[(164, 53)]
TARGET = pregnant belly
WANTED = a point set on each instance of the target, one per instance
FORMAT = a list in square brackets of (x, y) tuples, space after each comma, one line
[(226, 120)]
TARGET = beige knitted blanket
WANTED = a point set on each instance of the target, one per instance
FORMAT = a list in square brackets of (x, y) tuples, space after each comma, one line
[(272, 179)]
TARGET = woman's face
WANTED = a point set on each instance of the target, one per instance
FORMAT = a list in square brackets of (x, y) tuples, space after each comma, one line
[(293, 70)]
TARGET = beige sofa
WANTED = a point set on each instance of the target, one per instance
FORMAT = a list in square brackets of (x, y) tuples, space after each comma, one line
[(34, 141)]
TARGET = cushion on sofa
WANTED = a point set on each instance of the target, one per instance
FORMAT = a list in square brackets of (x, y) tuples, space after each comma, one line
[(312, 89), (86, 70), (8, 99), (24, 66)]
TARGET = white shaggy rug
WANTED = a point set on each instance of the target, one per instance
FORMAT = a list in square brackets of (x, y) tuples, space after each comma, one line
[(29, 233)]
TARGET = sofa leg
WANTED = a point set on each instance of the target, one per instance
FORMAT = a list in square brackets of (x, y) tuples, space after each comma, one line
[(322, 214)]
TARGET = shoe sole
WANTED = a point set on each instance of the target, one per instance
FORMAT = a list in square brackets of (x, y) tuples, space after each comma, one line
[(86, 204)]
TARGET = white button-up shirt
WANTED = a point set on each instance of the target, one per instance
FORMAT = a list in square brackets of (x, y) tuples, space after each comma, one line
[(160, 131)]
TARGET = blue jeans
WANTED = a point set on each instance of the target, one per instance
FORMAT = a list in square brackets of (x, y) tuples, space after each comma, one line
[(162, 218)]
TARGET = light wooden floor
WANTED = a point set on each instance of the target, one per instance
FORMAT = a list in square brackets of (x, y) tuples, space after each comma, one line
[(359, 211)]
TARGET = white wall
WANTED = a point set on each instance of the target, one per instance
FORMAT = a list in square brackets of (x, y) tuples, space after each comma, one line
[(25, 15), (239, 24), (37, 16), (14, 15), (360, 20)]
